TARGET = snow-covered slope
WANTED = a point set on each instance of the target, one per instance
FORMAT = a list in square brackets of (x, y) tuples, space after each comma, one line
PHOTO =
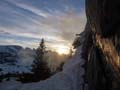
[(9, 85), (9, 54), (71, 78), (14, 69), (14, 59)]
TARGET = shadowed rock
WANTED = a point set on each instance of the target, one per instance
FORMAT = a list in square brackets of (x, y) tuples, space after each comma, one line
[(103, 67), (104, 16)]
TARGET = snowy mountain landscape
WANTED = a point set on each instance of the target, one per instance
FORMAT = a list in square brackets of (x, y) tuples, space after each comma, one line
[(59, 45), (36, 51), (66, 80), (11, 59), (70, 78), (18, 60)]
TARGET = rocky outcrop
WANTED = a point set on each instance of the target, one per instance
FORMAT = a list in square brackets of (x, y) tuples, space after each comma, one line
[(103, 67), (103, 16)]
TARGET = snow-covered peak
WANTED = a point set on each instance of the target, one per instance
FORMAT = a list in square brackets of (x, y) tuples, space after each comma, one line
[(15, 59), (9, 48)]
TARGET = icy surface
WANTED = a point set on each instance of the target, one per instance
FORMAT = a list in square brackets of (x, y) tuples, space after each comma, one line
[(10, 85)]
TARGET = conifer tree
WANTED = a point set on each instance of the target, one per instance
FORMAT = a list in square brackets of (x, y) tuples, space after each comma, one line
[(40, 68)]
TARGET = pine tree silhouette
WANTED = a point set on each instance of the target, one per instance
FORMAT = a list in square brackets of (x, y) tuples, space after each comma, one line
[(40, 68)]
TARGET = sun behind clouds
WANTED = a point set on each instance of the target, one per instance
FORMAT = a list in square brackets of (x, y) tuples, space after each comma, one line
[(62, 49)]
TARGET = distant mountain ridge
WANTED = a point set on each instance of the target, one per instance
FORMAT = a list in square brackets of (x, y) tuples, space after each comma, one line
[(12, 57), (9, 54)]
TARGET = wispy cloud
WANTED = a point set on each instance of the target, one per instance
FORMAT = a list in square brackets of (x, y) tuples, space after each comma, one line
[(32, 9), (68, 24), (25, 23)]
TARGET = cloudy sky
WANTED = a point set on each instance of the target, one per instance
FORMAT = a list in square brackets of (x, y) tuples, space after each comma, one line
[(25, 22)]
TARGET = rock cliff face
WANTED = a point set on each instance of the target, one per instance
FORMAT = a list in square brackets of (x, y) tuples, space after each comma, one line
[(103, 67), (104, 16)]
